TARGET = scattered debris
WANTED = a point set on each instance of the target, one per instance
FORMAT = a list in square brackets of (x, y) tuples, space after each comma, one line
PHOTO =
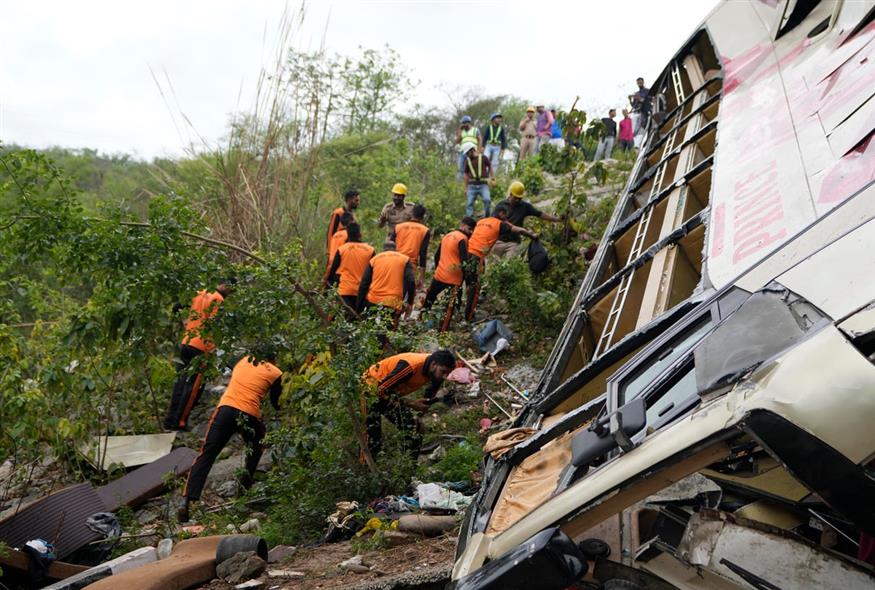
[(341, 523), (426, 525), (434, 496), (165, 546), (503, 442), (251, 525), (284, 574), (281, 553), (355, 564), (249, 584), (127, 451), (131, 560), (240, 567)]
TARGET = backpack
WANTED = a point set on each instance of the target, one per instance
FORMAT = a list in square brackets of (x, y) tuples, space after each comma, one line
[(539, 260)]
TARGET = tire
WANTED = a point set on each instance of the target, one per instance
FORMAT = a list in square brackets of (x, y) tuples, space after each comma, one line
[(595, 549)]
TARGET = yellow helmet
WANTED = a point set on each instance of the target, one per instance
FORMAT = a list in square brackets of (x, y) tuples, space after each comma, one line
[(530, 110), (399, 189), (517, 188)]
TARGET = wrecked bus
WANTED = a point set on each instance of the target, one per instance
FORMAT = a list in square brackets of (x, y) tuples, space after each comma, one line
[(706, 418)]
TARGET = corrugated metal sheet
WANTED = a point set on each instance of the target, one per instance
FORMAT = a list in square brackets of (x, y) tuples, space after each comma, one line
[(58, 518), (141, 484)]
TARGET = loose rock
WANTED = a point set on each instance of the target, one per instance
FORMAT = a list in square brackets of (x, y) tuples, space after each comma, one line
[(281, 553), (240, 567)]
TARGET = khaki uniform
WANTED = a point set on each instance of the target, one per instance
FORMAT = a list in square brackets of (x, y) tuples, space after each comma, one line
[(528, 134), (506, 249), (392, 215)]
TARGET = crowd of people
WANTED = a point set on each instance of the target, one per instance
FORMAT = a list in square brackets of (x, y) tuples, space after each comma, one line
[(386, 283)]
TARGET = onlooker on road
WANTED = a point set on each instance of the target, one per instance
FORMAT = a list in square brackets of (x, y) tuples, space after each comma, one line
[(556, 138), (544, 127), (239, 410), (528, 134), (608, 135), (509, 243), (396, 211), (627, 135), (478, 176), (187, 389), (494, 139), (467, 133), (640, 110)]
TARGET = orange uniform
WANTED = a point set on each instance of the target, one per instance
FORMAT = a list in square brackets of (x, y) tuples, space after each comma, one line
[(336, 241), (249, 385), (387, 284), (411, 239), (449, 265), (354, 258), (204, 305), (401, 374), (333, 226), (485, 235)]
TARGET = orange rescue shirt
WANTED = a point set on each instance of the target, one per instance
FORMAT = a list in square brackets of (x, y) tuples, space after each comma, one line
[(378, 373), (408, 239), (449, 268), (336, 241), (204, 305), (354, 258), (333, 225), (249, 385), (387, 279), (484, 237)]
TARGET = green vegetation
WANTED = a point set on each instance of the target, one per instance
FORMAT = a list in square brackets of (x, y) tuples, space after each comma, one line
[(95, 250)]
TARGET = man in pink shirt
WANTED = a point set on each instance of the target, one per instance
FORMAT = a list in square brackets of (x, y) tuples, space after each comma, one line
[(543, 128), (627, 135)]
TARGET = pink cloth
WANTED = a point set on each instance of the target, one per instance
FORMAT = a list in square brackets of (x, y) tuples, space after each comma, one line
[(545, 123), (461, 375), (626, 133)]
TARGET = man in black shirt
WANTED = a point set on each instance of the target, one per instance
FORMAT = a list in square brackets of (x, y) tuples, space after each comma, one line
[(493, 140), (509, 243), (609, 134)]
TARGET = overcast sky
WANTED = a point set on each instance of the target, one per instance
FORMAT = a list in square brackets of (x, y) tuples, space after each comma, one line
[(80, 74)]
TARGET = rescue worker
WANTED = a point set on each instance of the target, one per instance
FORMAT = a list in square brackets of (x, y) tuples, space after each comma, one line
[(509, 243), (467, 133), (494, 140), (349, 264), (339, 238), (478, 176), (239, 411), (485, 235), (528, 134), (394, 379), (351, 200), (188, 386), (411, 239), (449, 262), (397, 211), (388, 281)]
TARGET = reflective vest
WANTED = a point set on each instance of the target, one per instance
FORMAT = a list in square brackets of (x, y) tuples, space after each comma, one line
[(204, 305), (476, 176), (387, 279), (354, 258), (249, 386), (449, 268), (495, 134), (378, 374), (408, 239), (484, 237), (469, 136)]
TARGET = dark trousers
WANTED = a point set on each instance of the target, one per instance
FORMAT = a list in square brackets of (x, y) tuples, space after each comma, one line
[(436, 288), (472, 286), (223, 424), (399, 415), (186, 390)]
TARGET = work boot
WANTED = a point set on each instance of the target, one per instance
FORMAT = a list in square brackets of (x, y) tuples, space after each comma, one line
[(182, 511)]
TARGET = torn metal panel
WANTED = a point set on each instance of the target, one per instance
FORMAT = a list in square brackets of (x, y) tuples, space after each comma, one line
[(145, 482), (784, 560), (128, 451), (58, 518)]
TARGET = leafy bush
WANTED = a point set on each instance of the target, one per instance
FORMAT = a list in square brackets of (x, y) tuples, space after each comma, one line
[(460, 462), (529, 172)]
